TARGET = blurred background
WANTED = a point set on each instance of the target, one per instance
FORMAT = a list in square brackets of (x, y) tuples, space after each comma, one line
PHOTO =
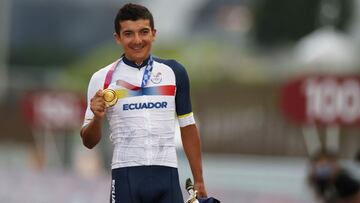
[(272, 82)]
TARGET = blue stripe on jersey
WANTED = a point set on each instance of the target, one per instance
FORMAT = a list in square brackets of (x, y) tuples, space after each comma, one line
[(182, 97)]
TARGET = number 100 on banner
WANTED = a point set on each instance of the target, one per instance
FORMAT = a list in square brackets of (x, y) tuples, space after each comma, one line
[(322, 100)]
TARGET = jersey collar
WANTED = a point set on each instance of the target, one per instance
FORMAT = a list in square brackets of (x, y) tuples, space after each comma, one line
[(133, 64)]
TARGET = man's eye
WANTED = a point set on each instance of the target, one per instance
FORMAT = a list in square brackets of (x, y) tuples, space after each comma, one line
[(145, 32)]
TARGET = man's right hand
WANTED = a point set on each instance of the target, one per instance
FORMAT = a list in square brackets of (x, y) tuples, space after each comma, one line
[(97, 105)]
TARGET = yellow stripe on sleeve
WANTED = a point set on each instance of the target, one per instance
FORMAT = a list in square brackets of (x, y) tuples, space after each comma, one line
[(185, 115)]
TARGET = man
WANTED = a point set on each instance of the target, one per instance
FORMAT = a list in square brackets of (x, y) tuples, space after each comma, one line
[(151, 93)]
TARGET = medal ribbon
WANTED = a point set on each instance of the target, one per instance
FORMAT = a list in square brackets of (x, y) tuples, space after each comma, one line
[(110, 73), (147, 72)]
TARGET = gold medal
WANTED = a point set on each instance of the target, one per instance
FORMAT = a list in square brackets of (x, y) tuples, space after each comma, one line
[(109, 96)]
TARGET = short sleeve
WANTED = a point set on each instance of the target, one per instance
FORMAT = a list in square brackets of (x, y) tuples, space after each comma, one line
[(95, 84), (182, 96)]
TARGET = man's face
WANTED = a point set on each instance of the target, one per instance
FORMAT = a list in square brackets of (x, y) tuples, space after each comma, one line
[(136, 37)]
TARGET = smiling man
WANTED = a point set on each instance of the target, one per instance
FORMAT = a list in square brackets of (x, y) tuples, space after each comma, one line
[(150, 93)]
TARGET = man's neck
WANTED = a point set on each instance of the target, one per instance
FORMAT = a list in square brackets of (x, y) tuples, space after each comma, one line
[(138, 62)]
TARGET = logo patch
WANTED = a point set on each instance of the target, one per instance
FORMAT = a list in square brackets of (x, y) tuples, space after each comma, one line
[(156, 78)]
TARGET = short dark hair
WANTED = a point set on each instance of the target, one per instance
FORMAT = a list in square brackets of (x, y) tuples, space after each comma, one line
[(132, 12)]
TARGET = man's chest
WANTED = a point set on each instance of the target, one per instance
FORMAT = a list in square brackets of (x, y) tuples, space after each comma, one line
[(157, 95)]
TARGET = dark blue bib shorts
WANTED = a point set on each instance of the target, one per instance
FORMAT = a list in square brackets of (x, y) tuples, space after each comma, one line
[(145, 184)]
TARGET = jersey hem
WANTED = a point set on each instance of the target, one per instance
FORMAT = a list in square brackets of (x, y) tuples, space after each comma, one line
[(130, 164)]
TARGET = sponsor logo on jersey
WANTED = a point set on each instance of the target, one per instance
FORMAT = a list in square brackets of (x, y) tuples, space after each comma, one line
[(113, 191), (156, 78), (145, 105)]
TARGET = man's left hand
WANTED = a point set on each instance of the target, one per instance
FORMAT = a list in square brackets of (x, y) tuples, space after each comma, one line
[(200, 188)]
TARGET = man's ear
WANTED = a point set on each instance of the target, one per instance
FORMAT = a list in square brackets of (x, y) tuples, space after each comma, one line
[(117, 38), (154, 34)]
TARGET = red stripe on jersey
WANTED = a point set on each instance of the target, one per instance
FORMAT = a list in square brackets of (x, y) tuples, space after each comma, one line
[(127, 85)]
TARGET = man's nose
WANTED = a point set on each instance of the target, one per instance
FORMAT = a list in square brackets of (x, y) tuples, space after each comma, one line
[(137, 38)]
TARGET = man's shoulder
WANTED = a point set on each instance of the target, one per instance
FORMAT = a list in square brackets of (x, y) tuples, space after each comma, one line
[(172, 63)]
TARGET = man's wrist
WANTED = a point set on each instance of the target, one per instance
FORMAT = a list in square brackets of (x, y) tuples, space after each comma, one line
[(199, 179), (97, 119)]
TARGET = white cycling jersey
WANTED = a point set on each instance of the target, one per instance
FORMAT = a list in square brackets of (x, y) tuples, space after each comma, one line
[(142, 123)]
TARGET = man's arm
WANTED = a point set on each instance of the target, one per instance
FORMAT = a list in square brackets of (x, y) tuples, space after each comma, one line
[(192, 147), (91, 133)]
